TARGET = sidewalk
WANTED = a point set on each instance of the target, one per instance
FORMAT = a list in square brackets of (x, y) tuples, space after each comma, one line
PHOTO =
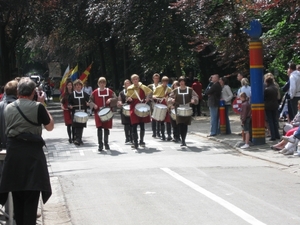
[(201, 127)]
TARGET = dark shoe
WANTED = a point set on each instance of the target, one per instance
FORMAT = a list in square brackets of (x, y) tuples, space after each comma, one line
[(106, 146), (127, 141), (163, 138), (81, 142), (211, 135), (100, 149), (142, 144), (76, 142), (154, 135), (158, 135), (70, 141), (169, 138), (183, 144), (272, 139), (274, 148), (135, 146)]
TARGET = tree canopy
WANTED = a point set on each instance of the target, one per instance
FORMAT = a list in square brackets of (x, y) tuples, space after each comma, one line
[(123, 37)]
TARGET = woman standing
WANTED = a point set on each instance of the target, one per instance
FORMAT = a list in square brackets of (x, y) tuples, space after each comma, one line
[(183, 96), (67, 112), (271, 107), (78, 102), (125, 119), (226, 96), (103, 97)]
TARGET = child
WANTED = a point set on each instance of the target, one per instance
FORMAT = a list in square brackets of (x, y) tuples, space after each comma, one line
[(245, 118)]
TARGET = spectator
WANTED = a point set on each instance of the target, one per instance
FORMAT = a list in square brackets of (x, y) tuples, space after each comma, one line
[(271, 106), (88, 89), (214, 96), (294, 90), (10, 90), (245, 88), (245, 118), (25, 171), (226, 95), (197, 87)]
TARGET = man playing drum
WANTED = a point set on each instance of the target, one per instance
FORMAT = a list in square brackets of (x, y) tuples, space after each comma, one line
[(103, 99), (159, 96), (154, 123), (124, 113), (78, 102), (138, 93), (182, 97)]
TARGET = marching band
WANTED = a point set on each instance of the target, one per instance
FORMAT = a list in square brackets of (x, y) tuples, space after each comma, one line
[(170, 108)]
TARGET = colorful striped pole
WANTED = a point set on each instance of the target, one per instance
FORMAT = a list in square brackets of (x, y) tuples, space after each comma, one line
[(222, 117), (257, 88)]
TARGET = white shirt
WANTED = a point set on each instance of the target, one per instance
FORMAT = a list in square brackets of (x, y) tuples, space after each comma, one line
[(294, 90), (88, 90)]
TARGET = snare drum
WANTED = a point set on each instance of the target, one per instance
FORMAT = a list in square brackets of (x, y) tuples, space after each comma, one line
[(184, 111), (81, 117), (142, 110), (105, 114), (126, 110), (159, 112)]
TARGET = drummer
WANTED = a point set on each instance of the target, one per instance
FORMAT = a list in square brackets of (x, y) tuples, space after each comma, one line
[(102, 97), (138, 93), (125, 119), (182, 97), (154, 123), (176, 132), (66, 111), (160, 96), (78, 101)]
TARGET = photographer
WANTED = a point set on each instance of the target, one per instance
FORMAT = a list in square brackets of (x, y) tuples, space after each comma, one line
[(25, 171)]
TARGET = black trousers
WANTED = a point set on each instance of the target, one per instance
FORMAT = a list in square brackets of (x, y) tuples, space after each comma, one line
[(25, 206)]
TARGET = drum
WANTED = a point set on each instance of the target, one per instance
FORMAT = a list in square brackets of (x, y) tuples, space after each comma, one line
[(173, 114), (126, 110), (105, 114), (142, 110), (184, 111), (81, 117), (159, 112)]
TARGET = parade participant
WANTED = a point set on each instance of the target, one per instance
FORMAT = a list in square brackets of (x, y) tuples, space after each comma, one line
[(183, 96), (103, 97), (159, 96), (25, 173), (155, 125), (67, 112), (125, 119), (138, 93), (176, 132), (78, 101)]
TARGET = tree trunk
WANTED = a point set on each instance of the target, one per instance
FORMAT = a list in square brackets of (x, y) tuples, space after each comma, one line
[(102, 60), (4, 58)]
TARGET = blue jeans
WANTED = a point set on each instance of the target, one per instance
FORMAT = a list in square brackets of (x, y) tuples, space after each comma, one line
[(214, 120), (297, 133)]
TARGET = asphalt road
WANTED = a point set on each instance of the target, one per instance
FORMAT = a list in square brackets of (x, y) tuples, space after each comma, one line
[(206, 183)]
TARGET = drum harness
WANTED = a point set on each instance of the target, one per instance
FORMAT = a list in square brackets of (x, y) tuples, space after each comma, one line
[(78, 97), (185, 105)]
